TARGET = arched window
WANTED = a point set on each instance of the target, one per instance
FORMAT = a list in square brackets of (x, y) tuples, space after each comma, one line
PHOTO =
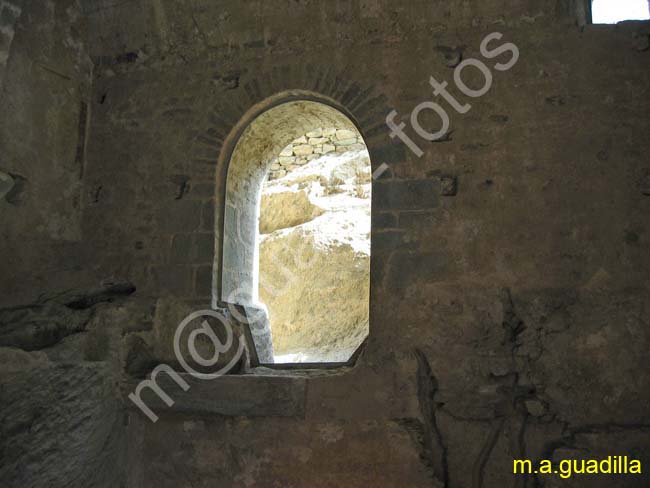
[(295, 249)]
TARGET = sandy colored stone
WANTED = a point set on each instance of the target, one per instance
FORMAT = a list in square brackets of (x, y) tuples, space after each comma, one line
[(284, 160), (315, 141), (346, 142), (343, 134), (303, 150), (286, 209)]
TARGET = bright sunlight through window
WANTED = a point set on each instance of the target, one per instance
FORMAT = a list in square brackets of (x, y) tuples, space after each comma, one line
[(612, 11)]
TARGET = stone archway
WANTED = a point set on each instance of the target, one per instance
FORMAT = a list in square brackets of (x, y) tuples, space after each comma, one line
[(253, 147)]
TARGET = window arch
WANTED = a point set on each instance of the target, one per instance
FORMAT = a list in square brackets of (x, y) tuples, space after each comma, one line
[(254, 149)]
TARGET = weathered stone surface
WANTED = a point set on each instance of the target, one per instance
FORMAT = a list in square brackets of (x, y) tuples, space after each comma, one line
[(327, 446), (280, 210), (345, 134), (61, 424), (405, 195), (14, 360), (235, 395), (303, 150), (169, 315), (284, 160), (314, 269), (39, 326), (6, 184), (345, 142), (552, 204), (326, 141), (315, 141), (41, 106)]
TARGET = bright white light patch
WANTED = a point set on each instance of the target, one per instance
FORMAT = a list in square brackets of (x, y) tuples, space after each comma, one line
[(612, 11)]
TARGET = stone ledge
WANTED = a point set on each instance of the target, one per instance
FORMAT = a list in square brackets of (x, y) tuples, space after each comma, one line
[(230, 395)]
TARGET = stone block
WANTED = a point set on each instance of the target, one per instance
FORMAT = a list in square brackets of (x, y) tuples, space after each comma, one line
[(208, 215), (180, 216), (203, 280), (328, 148), (388, 154), (237, 395), (316, 141), (406, 194), (287, 151), (407, 268), (204, 248), (383, 220), (343, 134), (419, 220), (315, 133), (329, 132), (181, 249), (389, 240), (303, 150), (345, 142), (171, 279), (284, 160)]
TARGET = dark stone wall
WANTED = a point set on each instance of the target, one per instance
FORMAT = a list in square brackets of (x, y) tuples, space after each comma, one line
[(509, 267), (45, 76), (510, 272)]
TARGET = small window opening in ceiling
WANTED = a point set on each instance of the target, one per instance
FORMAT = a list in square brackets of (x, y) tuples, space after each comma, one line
[(613, 11)]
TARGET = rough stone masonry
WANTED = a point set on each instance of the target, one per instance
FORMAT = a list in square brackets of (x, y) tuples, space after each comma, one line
[(509, 271)]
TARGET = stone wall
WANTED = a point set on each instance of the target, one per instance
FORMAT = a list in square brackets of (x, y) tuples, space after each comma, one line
[(509, 271), (311, 146), (45, 79)]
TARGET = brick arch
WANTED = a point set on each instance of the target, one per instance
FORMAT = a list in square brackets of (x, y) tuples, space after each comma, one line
[(361, 101), (234, 110)]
